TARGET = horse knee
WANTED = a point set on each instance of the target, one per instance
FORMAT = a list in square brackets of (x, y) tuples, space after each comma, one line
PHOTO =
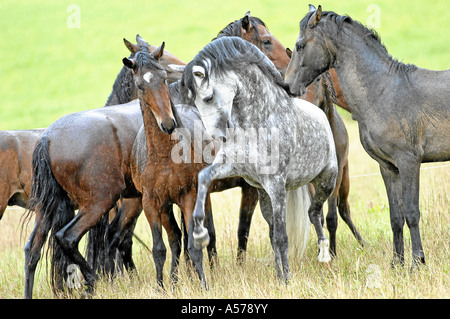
[(332, 222), (397, 224)]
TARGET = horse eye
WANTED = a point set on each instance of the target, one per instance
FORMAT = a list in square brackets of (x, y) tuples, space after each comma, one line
[(199, 74), (267, 42)]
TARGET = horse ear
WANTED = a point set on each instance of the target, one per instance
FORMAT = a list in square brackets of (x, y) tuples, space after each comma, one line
[(158, 53), (129, 63), (132, 47), (141, 42), (312, 8), (315, 18), (175, 68), (289, 52), (246, 22)]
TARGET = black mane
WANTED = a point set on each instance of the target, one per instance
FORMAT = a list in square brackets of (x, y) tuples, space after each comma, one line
[(144, 59), (225, 54), (368, 35), (123, 88), (234, 29)]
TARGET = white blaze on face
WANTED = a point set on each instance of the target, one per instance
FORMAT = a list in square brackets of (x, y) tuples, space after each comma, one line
[(147, 77)]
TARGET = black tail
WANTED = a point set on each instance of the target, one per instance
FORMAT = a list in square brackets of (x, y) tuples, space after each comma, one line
[(97, 245), (52, 204)]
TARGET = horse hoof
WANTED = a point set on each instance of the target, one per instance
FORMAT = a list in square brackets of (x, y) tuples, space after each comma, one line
[(201, 239), (324, 255)]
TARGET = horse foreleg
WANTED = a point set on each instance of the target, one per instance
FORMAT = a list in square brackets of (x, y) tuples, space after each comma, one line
[(249, 200), (409, 175), (332, 222), (205, 177), (153, 214), (393, 186), (187, 204)]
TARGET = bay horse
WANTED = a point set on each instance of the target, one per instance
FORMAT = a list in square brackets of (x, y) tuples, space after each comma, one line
[(403, 111), (16, 149), (83, 160), (124, 90), (234, 101), (161, 181)]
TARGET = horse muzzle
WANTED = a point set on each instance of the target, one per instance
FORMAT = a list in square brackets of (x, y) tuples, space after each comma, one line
[(169, 126)]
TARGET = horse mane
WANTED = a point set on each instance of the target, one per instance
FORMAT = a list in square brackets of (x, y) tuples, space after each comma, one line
[(368, 35), (225, 54), (144, 59), (123, 87), (235, 29)]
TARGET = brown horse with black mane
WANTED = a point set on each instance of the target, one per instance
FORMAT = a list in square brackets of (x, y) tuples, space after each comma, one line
[(83, 159)]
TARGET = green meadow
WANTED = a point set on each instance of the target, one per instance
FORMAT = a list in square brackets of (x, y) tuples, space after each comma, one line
[(58, 57), (51, 65)]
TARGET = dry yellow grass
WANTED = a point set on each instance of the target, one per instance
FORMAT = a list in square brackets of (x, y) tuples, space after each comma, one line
[(356, 273)]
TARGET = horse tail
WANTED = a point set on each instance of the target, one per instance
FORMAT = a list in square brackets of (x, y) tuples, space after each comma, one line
[(54, 208), (97, 244), (298, 225)]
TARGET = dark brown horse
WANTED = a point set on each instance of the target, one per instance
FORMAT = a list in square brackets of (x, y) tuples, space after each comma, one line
[(84, 159), (16, 149)]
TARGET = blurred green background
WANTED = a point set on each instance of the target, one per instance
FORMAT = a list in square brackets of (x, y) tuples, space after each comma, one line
[(53, 63)]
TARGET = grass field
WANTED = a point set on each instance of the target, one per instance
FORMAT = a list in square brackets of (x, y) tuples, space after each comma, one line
[(51, 67)]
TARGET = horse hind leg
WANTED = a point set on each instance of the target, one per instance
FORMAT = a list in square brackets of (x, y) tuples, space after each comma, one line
[(69, 237), (159, 251), (273, 207), (409, 176), (33, 254), (344, 207), (324, 185), (186, 205)]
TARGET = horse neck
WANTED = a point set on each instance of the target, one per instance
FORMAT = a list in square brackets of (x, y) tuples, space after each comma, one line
[(158, 142), (360, 64), (252, 97), (124, 90)]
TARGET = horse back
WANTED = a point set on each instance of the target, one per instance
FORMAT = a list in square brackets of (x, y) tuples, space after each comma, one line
[(95, 145), (427, 113), (16, 149)]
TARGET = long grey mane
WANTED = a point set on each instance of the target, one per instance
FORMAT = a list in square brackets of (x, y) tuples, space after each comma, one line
[(228, 54), (368, 35)]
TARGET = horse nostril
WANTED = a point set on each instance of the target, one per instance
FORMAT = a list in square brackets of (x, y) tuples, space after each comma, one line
[(169, 128)]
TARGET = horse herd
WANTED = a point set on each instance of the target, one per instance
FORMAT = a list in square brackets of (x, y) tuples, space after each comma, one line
[(242, 94)]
